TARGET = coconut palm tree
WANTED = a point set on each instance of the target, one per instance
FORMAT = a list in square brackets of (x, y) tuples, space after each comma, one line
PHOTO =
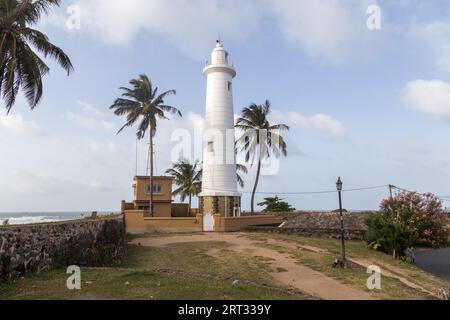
[(21, 49), (143, 104), (260, 139), (188, 178), (240, 168)]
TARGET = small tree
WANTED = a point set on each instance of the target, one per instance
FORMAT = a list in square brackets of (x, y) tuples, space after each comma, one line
[(187, 177), (408, 220), (276, 204)]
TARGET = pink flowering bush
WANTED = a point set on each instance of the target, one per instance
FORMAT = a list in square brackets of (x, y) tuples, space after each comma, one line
[(409, 220)]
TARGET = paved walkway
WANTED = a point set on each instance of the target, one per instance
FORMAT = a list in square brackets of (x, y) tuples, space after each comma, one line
[(436, 262)]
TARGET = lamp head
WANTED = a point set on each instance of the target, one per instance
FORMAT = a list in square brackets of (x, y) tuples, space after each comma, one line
[(339, 184)]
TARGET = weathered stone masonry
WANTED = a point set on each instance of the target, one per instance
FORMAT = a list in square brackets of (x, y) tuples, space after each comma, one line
[(38, 248), (321, 224)]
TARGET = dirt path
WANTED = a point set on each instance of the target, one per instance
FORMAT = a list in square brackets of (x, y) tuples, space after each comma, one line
[(387, 271), (297, 276)]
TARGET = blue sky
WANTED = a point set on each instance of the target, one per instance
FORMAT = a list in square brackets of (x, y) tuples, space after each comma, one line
[(370, 106)]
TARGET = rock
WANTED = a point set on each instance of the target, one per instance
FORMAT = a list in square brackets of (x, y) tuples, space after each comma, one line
[(38, 248)]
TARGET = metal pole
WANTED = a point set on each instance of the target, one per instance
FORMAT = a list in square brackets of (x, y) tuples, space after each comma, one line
[(391, 189), (394, 254), (344, 256), (137, 156)]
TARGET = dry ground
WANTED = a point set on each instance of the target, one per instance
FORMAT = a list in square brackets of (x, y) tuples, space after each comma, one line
[(305, 265), (234, 266)]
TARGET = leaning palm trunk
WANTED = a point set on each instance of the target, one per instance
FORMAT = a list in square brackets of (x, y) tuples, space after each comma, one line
[(258, 173), (151, 208), (190, 205)]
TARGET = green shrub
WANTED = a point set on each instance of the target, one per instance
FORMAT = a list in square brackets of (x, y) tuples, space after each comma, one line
[(408, 220), (276, 204)]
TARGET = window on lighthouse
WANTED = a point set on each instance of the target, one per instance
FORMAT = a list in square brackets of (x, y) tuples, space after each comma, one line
[(211, 147), (230, 86)]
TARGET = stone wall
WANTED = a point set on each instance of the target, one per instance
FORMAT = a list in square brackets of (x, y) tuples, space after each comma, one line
[(312, 232), (320, 224), (37, 248), (326, 220)]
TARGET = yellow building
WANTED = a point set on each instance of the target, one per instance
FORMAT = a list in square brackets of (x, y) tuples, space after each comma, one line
[(169, 217), (162, 196)]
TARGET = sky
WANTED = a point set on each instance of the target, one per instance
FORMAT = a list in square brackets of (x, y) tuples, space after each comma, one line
[(371, 105)]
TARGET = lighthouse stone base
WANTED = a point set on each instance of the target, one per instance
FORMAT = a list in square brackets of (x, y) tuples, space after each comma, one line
[(226, 206)]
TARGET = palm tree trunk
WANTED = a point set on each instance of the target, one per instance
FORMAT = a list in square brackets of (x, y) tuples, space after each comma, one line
[(258, 173), (152, 213), (190, 205)]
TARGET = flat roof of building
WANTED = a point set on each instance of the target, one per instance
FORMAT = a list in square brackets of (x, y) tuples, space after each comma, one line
[(154, 177)]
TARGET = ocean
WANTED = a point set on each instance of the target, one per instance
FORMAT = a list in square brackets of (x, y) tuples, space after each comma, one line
[(21, 218)]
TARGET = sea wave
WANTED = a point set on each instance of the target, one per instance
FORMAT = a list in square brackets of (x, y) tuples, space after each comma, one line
[(44, 217), (30, 220)]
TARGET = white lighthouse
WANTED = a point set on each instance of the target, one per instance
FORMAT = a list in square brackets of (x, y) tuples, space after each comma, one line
[(219, 187)]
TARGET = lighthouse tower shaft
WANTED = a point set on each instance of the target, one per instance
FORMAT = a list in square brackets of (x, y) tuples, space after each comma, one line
[(219, 186)]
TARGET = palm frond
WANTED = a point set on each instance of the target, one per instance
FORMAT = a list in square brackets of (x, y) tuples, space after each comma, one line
[(260, 137), (21, 67), (43, 45), (187, 177), (139, 102)]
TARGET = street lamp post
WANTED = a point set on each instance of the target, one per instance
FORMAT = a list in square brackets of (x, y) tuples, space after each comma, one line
[(339, 186)]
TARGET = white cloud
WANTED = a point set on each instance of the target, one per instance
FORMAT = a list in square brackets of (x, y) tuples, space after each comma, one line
[(18, 125), (329, 30), (90, 109), (432, 97), (435, 37), (91, 118), (327, 124), (322, 123), (185, 24), (97, 147), (177, 138)]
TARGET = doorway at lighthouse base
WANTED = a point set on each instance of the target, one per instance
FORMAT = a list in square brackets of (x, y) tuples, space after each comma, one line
[(224, 206)]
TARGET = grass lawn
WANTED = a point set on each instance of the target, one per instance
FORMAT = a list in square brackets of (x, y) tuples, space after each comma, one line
[(132, 280), (204, 257), (206, 270), (120, 285), (392, 288)]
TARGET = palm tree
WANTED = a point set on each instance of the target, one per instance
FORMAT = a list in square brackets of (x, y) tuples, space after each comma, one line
[(240, 168), (21, 68), (143, 103), (260, 139), (188, 178), (243, 169)]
